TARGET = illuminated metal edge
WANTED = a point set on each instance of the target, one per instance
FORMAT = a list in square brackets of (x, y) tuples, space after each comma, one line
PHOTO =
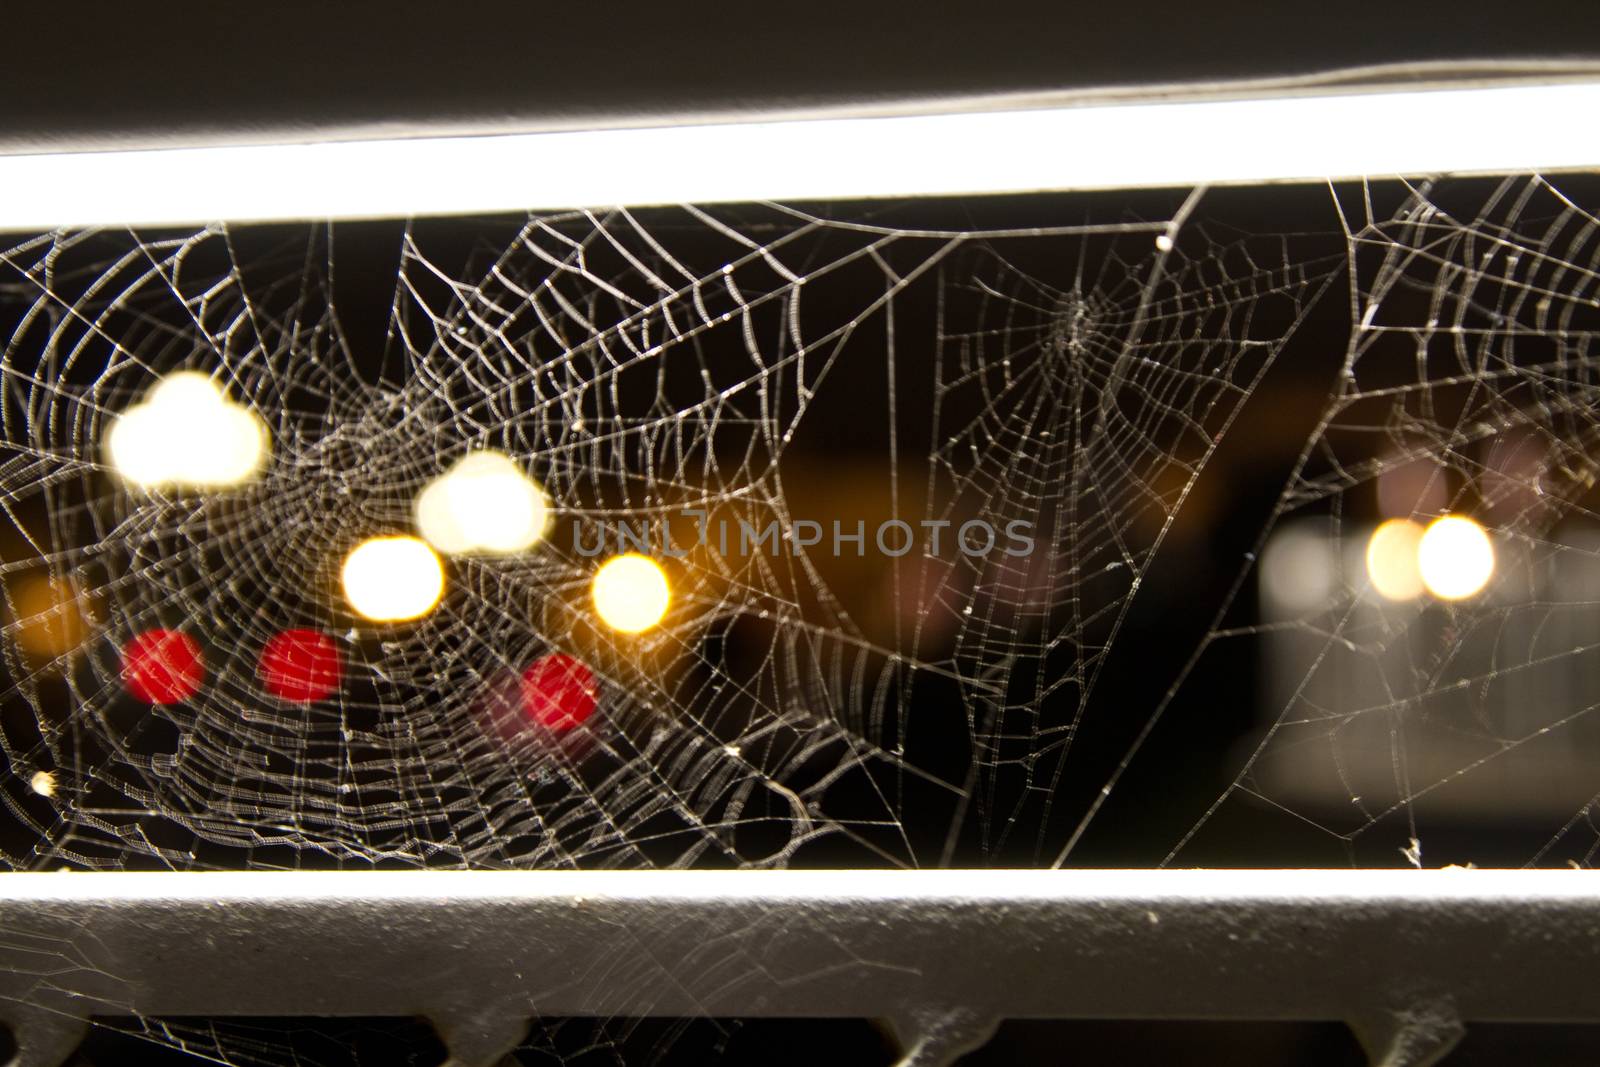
[(1471, 121), (1403, 956)]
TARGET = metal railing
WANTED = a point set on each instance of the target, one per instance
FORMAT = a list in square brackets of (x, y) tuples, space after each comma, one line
[(1407, 958)]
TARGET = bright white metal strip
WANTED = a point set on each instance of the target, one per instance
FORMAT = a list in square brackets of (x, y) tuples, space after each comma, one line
[(1478, 130)]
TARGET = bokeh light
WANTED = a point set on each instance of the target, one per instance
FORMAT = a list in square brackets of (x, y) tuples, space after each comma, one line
[(1455, 557), (485, 503), (631, 593), (558, 691), (187, 433), (162, 667), (1392, 560), (392, 579), (1299, 568), (300, 666), (52, 617)]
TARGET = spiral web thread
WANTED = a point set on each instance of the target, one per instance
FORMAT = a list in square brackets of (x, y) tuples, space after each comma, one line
[(641, 364)]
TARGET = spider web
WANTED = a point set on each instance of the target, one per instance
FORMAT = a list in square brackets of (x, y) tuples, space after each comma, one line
[(1096, 381), (1467, 387)]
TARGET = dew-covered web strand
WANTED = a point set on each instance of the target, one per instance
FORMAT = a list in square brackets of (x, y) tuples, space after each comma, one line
[(1089, 389), (232, 334), (766, 254), (1110, 464), (1091, 401), (1467, 272)]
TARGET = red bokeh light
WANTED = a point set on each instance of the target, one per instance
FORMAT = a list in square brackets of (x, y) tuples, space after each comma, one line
[(162, 667), (558, 691), (301, 666)]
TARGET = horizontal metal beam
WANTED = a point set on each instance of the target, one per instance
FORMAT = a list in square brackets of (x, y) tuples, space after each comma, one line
[(1060, 145), (943, 955)]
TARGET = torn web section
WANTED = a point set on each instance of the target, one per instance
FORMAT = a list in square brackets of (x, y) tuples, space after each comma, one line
[(1408, 720)]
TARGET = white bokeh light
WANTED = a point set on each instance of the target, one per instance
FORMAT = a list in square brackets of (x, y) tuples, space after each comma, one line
[(392, 579), (186, 433), (1300, 568), (485, 503), (1455, 557), (1392, 565), (631, 593)]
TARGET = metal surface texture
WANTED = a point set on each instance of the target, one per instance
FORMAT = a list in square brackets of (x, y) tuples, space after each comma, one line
[(1407, 958)]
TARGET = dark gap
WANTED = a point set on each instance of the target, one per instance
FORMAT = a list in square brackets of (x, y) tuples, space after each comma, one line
[(175, 1041), (1546, 1044), (801, 1042), (411, 1042), (1193, 1042), (771, 1042)]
